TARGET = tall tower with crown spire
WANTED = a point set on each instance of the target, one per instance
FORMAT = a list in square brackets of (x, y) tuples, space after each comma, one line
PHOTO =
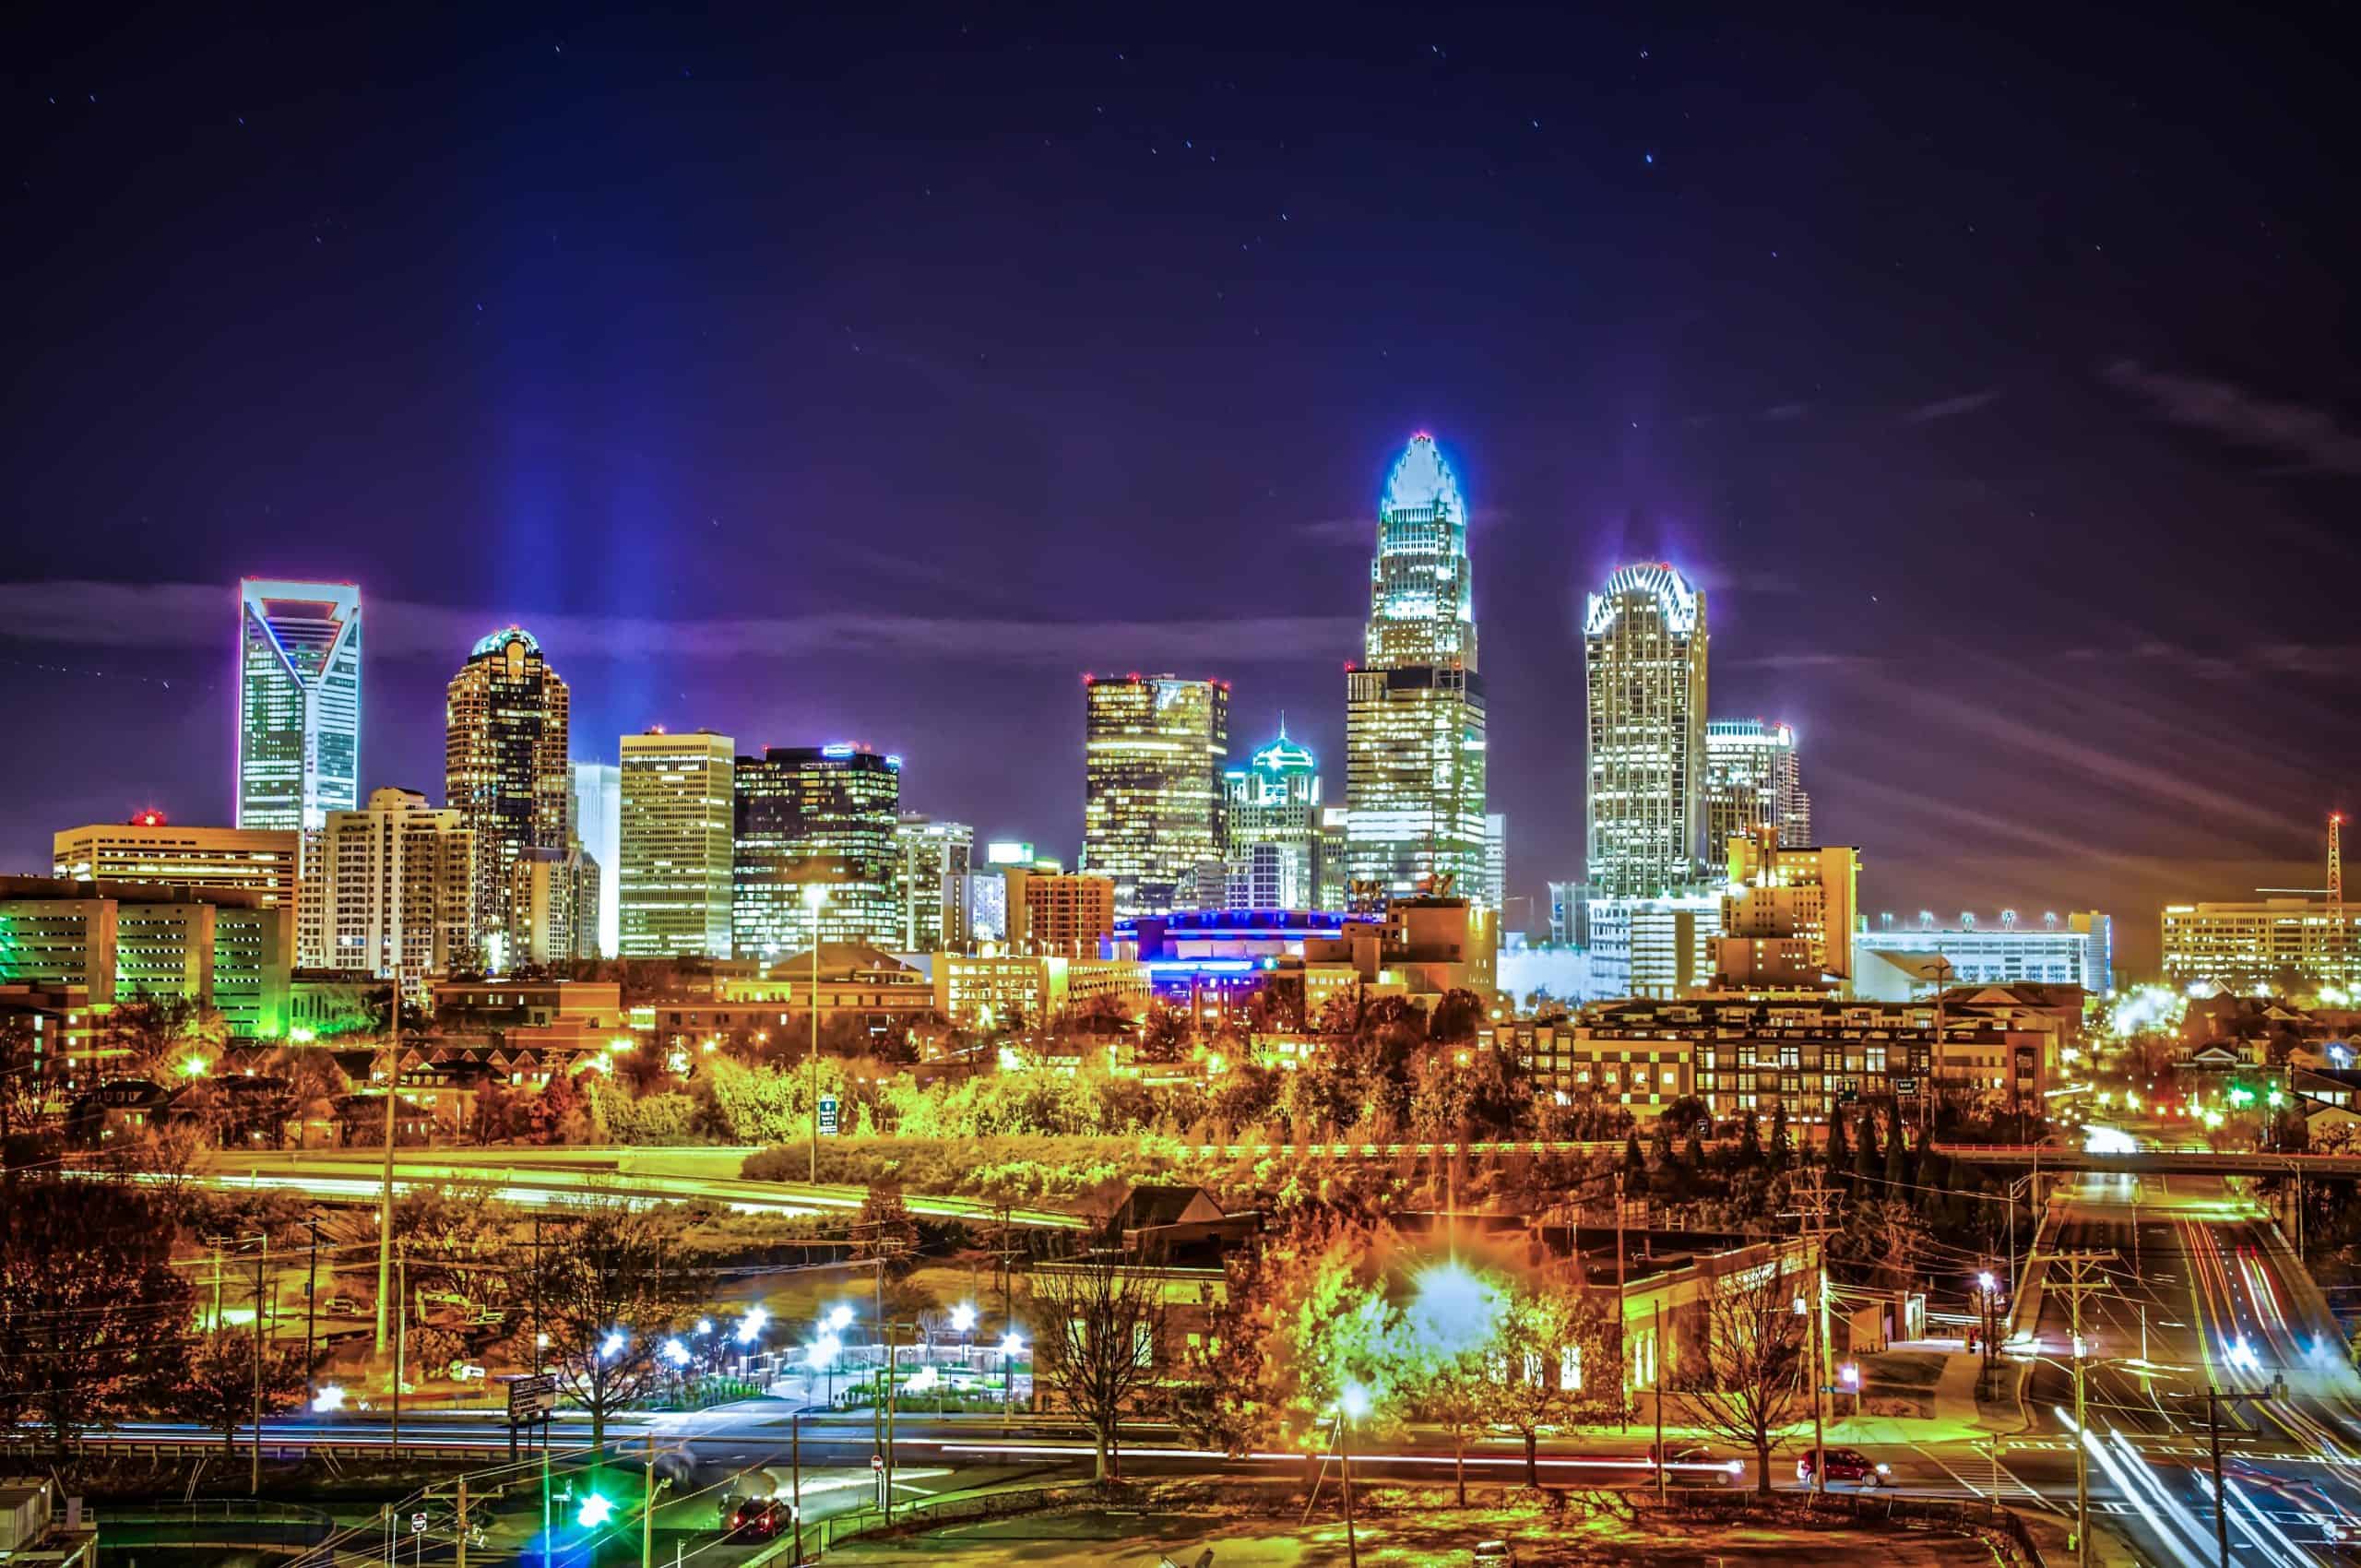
[(1414, 707)]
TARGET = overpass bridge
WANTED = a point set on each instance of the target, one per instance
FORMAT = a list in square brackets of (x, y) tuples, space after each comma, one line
[(2187, 1160)]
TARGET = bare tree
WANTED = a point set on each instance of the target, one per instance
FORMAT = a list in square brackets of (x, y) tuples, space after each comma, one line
[(1097, 1325), (1746, 1385), (219, 1387), (611, 1291)]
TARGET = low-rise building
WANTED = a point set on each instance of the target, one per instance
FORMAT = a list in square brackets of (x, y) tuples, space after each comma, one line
[(1007, 990), (2271, 945), (2078, 950), (1641, 1076), (221, 947)]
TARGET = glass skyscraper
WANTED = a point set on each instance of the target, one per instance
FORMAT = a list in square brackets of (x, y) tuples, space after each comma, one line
[(504, 769), (1414, 707), (1152, 805), (1644, 649), (932, 861), (299, 702), (1751, 782), (824, 815), (673, 845)]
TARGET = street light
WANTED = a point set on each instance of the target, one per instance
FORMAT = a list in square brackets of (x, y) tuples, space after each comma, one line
[(824, 1353), (1352, 1403), (815, 895), (1011, 1347)]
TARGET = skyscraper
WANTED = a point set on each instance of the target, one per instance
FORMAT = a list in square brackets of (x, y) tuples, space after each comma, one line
[(1496, 858), (931, 860), (299, 702), (1644, 649), (815, 815), (598, 826), (504, 769), (1414, 707), (673, 845), (1151, 794), (395, 890), (1751, 783), (1275, 804)]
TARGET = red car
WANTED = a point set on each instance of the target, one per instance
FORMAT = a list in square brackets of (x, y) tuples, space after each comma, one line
[(1845, 1465), (758, 1518)]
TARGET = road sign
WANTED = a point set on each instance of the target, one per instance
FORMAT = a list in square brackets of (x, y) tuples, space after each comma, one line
[(1906, 1087), (530, 1399), (877, 1461), (417, 1524), (828, 1116)]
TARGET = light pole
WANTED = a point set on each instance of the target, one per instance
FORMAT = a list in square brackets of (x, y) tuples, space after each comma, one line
[(1011, 1347), (815, 895), (1352, 1403), (823, 1356)]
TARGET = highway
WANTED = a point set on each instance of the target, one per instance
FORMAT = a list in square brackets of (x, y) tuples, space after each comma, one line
[(2198, 1291)]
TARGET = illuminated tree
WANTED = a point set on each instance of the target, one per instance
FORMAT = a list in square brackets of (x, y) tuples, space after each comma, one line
[(1549, 1357), (611, 1291), (1096, 1326)]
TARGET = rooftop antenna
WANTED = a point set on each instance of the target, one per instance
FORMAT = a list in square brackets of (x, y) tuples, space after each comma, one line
[(2335, 863)]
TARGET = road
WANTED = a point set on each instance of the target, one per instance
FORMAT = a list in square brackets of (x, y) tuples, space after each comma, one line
[(2199, 1291)]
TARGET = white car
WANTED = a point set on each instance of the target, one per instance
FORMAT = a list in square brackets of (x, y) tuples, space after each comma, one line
[(466, 1371)]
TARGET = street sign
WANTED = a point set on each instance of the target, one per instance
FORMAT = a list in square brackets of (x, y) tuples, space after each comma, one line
[(877, 1461), (1906, 1087), (530, 1399), (417, 1524), (828, 1116)]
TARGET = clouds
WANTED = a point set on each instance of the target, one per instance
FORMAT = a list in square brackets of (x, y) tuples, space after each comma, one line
[(2310, 438), (178, 617), (1951, 408)]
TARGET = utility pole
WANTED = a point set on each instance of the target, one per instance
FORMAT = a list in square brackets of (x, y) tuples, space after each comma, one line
[(253, 1479), (795, 1464), (1655, 1372), (2084, 1277), (401, 1321), (648, 1508), (1622, 1371), (462, 1561), (386, 1196), (1814, 1223), (891, 1358), (2213, 1399), (311, 1302)]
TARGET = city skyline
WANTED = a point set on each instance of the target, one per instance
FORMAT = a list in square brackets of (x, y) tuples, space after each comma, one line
[(1647, 305)]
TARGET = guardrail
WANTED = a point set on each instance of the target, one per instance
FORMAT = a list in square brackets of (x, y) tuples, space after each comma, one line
[(2203, 1161)]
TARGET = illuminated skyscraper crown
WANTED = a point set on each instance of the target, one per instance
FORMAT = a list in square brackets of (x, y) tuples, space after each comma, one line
[(1421, 607)]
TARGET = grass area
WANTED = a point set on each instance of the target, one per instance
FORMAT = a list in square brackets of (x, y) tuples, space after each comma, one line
[(1399, 1535)]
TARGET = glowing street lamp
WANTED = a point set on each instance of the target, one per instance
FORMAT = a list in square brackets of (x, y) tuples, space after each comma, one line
[(839, 1317), (822, 1354), (612, 1344)]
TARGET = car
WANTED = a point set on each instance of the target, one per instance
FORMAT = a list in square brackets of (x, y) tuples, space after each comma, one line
[(342, 1306), (1494, 1554), (466, 1371), (758, 1518), (1849, 1466)]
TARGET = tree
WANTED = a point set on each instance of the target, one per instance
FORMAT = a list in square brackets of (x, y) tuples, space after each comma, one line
[(1635, 1166), (1866, 1157), (216, 1388), (156, 1032), (1743, 1386), (884, 1229), (1096, 1324), (1454, 1393), (1749, 1142), (1458, 1017), (611, 1291), (1897, 1165), (91, 1310), (1782, 1148), (457, 1240), (1548, 1351), (1839, 1153), (1165, 1033)]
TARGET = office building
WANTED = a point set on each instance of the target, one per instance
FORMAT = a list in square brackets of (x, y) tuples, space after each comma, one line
[(1570, 914), (1334, 836), (1644, 649), (546, 908), (675, 848), (1496, 858), (591, 902), (1414, 705), (809, 816), (1153, 804), (1752, 783), (1654, 946), (2280, 944), (1277, 852), (2077, 950), (1065, 914), (219, 947), (1012, 990), (598, 827), (397, 891), (504, 769), (149, 849), (932, 861), (299, 702), (1788, 914)]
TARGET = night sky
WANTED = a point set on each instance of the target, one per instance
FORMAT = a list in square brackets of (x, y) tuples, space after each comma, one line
[(872, 375)]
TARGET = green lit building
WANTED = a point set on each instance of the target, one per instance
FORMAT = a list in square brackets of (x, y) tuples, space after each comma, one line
[(822, 816), (1414, 705), (1274, 827)]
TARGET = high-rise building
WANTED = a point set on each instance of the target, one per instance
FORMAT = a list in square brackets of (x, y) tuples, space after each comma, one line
[(1644, 646), (505, 768), (1788, 914), (1151, 794), (1496, 858), (1414, 705), (1275, 847), (545, 906), (149, 849), (931, 860), (820, 816), (591, 902), (1752, 783), (674, 845), (2077, 950), (1328, 887), (395, 890), (598, 826), (299, 702), (1065, 914), (2269, 944)]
